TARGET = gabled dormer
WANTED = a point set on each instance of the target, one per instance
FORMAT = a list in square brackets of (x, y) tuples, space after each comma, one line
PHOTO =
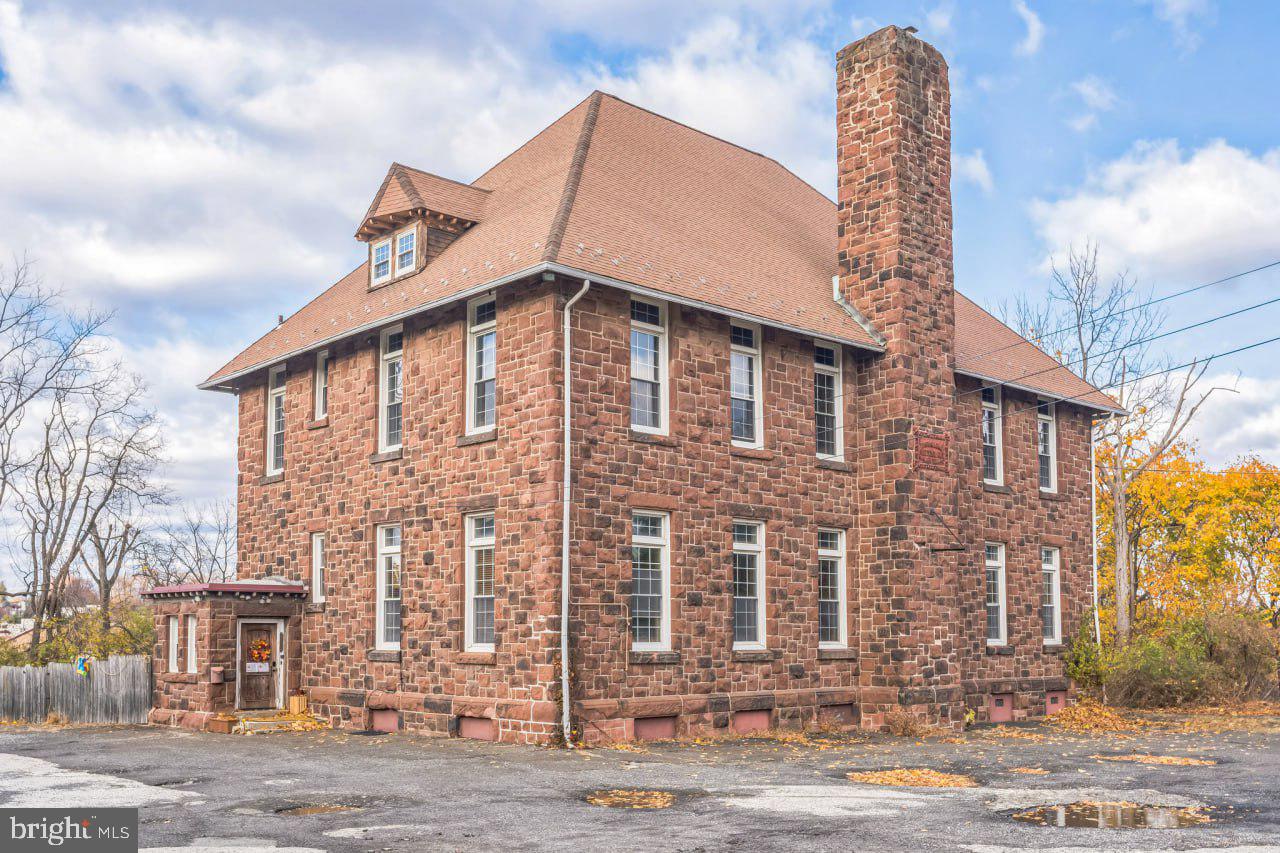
[(413, 218)]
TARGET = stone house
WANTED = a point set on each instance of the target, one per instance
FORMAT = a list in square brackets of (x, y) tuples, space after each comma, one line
[(643, 395)]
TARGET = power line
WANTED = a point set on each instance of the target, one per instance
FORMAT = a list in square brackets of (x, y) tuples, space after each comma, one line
[(1138, 342), (1146, 304)]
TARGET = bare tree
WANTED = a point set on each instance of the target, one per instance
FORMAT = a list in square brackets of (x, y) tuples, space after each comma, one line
[(97, 446), (115, 539), (1102, 331), (199, 546), (44, 350)]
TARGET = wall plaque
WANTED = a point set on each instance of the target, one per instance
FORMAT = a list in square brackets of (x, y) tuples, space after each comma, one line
[(933, 449)]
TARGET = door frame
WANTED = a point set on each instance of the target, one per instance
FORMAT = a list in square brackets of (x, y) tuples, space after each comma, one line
[(280, 654)]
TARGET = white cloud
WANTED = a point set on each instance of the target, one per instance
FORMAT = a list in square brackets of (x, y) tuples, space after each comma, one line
[(1030, 44), (938, 20), (1180, 15), (1237, 424), (1097, 96), (1166, 213), (973, 168)]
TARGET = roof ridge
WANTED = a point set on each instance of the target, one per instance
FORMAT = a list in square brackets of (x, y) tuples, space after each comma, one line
[(440, 177), (561, 220), (720, 139), (531, 139), (407, 187)]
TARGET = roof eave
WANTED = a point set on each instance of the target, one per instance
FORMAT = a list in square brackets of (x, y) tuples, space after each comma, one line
[(1076, 401), (225, 383)]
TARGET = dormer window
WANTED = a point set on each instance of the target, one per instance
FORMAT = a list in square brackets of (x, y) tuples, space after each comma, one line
[(406, 254), (381, 269)]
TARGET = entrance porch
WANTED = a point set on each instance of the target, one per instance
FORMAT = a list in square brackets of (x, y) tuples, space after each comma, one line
[(224, 648)]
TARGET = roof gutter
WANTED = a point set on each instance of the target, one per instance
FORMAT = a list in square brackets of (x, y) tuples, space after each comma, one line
[(225, 383), (566, 493)]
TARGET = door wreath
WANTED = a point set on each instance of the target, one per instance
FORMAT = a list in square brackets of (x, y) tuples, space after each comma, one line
[(260, 650)]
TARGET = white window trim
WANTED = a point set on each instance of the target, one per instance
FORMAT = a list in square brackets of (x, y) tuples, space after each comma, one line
[(838, 373), (381, 550), (384, 359), (762, 640), (998, 407), (171, 638), (1056, 562), (842, 588), (319, 556), (664, 419), (663, 543), (1004, 595), (474, 543), (757, 381), (395, 252), (191, 642), (274, 466), (389, 242), (1052, 419), (473, 332), (321, 385)]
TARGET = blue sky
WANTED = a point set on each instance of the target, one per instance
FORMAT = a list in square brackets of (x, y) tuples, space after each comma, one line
[(201, 169)]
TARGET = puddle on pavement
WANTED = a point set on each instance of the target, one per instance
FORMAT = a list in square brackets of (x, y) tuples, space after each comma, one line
[(1113, 816), (315, 808), (631, 798)]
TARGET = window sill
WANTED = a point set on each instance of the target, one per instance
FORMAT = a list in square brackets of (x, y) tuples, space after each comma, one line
[(1000, 650), (268, 479), (751, 452), (649, 658), (837, 654), (314, 607), (996, 488), (319, 423), (477, 658), (1051, 496), (478, 438), (384, 656), (754, 655), (1058, 648), (653, 438), (834, 464), (387, 456)]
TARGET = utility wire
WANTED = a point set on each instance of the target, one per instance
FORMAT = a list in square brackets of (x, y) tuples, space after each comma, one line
[(1138, 342), (1148, 303)]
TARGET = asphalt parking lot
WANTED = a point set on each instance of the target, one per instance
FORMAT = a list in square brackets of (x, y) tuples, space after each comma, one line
[(334, 791)]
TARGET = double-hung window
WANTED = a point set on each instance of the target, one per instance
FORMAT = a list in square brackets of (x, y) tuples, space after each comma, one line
[(650, 582), (1051, 595), (275, 421), (191, 642), (388, 587), (482, 383), (992, 437), (317, 567), (748, 585), (406, 251), (648, 366), (380, 268), (1047, 445), (828, 401), (997, 631), (744, 386), (322, 384), (832, 595), (171, 638), (479, 623), (391, 385)]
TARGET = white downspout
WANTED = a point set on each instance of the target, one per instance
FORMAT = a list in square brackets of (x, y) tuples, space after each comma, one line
[(565, 493), (1093, 514)]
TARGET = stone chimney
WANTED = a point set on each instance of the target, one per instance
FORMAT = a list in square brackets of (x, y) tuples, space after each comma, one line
[(893, 155)]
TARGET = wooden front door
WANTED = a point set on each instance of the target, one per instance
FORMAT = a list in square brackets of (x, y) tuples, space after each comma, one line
[(258, 666)]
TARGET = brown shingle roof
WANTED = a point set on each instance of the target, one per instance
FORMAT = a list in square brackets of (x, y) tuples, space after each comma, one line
[(624, 195), (405, 189)]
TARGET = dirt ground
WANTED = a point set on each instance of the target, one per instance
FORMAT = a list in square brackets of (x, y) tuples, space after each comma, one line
[(332, 791)]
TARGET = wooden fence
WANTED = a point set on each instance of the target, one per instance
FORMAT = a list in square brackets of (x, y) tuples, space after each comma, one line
[(117, 690)]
